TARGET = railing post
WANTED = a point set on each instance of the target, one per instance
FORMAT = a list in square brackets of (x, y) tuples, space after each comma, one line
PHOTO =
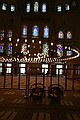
[(19, 79), (73, 79), (12, 76), (36, 78), (58, 76), (66, 79), (51, 76)]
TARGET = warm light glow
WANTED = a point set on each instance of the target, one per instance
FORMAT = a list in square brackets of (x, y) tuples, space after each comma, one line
[(9, 39), (18, 40), (51, 44), (39, 42), (32, 41), (16, 44), (39, 58), (25, 40)]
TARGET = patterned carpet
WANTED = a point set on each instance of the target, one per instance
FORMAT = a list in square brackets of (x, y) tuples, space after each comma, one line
[(14, 106)]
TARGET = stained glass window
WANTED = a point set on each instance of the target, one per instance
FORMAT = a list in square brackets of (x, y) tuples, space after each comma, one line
[(43, 7), (4, 6), (10, 49), (12, 8), (24, 31), (69, 35), (46, 32), (1, 48), (61, 35), (35, 31), (67, 6), (73, 3), (59, 8), (9, 33), (59, 50), (2, 34), (24, 49), (28, 7), (36, 6), (45, 49)]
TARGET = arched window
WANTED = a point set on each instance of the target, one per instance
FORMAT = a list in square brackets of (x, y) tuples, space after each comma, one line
[(74, 3), (10, 49), (1, 33), (24, 49), (12, 8), (67, 6), (45, 49), (4, 6), (28, 7), (35, 31), (9, 33), (36, 6), (46, 32), (59, 50), (44, 7), (24, 31), (1, 47), (59, 8), (60, 35), (69, 35)]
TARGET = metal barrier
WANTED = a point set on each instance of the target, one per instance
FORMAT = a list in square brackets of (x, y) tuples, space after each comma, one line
[(68, 79)]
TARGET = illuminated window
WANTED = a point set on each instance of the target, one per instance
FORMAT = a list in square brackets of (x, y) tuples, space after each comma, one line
[(1, 48), (69, 52), (28, 7), (2, 34), (35, 31), (59, 50), (4, 6), (24, 49), (46, 32), (60, 35), (59, 68), (69, 35), (10, 49), (45, 68), (8, 69), (59, 8), (36, 6), (67, 6), (45, 49), (22, 68), (73, 3), (12, 8), (24, 31), (9, 33), (43, 7)]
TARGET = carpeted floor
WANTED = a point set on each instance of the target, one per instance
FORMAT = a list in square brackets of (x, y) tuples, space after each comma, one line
[(14, 106)]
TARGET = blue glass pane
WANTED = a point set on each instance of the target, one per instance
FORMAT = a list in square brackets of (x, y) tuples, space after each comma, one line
[(45, 49), (44, 8), (28, 7), (35, 31), (46, 32), (24, 31), (1, 49), (59, 50), (9, 49), (36, 6)]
